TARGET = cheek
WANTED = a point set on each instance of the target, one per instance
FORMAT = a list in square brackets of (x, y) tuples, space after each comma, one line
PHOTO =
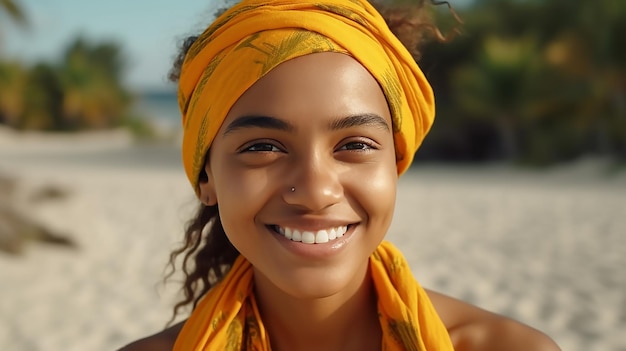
[(374, 191), (237, 206), (240, 186), (235, 183), (383, 194), (240, 193)]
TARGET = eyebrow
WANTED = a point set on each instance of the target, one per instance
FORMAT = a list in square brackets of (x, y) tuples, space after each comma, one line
[(258, 122), (267, 122), (364, 119)]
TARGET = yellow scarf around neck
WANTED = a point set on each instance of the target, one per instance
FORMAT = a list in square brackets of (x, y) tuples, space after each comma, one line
[(228, 318)]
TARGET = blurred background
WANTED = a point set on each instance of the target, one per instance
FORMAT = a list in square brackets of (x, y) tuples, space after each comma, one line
[(537, 82), (516, 200), (534, 82), (72, 65)]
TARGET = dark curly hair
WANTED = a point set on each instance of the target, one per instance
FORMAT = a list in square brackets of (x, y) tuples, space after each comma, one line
[(207, 254)]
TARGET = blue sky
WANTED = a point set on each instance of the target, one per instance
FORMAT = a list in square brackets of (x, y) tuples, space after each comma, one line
[(149, 31)]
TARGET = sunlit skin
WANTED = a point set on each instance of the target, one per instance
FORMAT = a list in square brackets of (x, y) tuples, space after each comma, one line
[(320, 124)]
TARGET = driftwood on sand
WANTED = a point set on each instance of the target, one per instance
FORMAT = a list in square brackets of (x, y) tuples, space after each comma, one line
[(17, 228)]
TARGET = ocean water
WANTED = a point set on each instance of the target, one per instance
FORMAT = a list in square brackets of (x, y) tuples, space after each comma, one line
[(160, 108)]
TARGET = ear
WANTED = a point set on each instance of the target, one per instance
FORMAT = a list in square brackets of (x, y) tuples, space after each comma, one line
[(207, 188)]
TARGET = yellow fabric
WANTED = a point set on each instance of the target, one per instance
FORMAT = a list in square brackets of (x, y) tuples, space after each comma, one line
[(228, 318), (255, 36)]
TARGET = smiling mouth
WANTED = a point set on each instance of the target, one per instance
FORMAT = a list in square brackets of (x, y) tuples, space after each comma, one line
[(311, 237)]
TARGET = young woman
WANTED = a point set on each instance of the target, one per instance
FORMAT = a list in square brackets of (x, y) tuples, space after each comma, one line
[(298, 118)]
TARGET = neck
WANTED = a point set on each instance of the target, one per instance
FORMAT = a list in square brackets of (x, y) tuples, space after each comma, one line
[(344, 321)]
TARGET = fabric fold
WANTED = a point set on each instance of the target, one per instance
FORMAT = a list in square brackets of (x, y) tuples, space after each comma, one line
[(255, 36), (227, 318)]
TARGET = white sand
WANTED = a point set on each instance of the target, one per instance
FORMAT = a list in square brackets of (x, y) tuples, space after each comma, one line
[(548, 248)]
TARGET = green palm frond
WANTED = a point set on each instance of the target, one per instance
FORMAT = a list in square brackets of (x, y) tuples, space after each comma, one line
[(14, 10)]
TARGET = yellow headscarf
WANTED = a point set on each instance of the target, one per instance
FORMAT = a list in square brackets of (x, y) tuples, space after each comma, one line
[(255, 36), (240, 47), (227, 319)]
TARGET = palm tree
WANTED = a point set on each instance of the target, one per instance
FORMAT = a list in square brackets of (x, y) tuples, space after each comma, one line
[(593, 48), (13, 9), (13, 78), (497, 87), (12, 74), (550, 76), (92, 82)]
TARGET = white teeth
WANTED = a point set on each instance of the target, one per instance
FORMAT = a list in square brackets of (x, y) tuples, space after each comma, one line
[(332, 234), (286, 232), (321, 237), (308, 237), (296, 236), (341, 231)]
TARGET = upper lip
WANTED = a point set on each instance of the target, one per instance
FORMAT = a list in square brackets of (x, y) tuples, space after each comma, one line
[(312, 224)]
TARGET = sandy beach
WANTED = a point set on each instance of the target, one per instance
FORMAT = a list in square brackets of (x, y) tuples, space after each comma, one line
[(545, 247)]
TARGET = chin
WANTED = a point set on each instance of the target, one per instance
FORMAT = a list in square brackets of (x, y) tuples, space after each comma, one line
[(321, 282)]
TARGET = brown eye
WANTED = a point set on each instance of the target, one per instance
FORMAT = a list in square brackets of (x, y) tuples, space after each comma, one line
[(261, 147), (357, 145)]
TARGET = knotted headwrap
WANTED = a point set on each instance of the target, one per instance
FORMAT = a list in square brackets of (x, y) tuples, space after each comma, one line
[(255, 36), (228, 318), (239, 48)]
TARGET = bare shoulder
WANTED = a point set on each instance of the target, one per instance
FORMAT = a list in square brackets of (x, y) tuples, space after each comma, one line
[(473, 328), (162, 341)]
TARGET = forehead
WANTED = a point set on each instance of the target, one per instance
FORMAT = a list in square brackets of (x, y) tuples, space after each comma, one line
[(314, 85)]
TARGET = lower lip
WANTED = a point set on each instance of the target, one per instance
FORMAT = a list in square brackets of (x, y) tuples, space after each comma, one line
[(316, 250)]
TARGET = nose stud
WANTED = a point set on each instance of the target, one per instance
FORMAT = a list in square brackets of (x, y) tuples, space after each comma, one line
[(293, 189)]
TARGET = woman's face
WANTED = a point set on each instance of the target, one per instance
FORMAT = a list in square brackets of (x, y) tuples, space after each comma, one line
[(303, 170)]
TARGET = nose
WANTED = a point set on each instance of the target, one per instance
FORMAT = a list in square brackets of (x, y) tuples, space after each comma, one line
[(314, 183)]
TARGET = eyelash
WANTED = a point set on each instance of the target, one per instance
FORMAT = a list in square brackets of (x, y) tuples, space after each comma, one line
[(363, 146), (265, 145)]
